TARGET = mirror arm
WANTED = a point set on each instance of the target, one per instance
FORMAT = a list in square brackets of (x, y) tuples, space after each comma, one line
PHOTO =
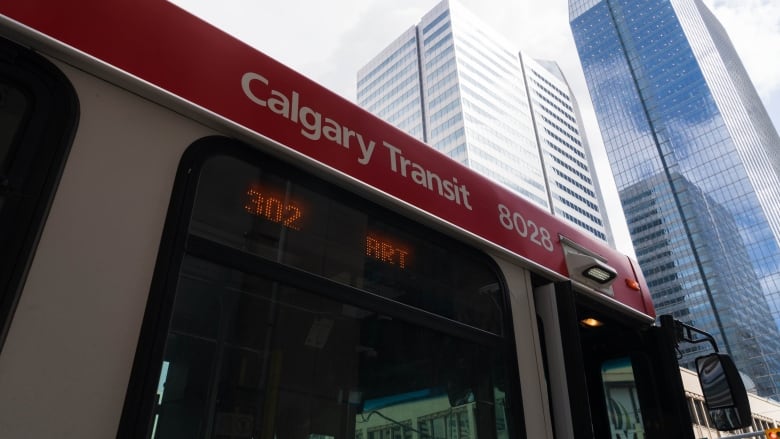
[(683, 332)]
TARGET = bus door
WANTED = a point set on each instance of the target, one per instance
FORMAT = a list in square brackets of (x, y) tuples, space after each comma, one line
[(609, 375)]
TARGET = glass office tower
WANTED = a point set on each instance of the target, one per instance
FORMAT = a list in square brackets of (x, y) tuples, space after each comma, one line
[(456, 85), (696, 160)]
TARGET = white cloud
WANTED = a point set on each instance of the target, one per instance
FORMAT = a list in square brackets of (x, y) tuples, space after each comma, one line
[(754, 28)]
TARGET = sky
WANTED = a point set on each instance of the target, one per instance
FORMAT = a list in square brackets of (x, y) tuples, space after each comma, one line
[(329, 41)]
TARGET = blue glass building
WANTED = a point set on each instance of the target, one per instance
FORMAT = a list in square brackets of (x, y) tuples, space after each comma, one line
[(696, 160)]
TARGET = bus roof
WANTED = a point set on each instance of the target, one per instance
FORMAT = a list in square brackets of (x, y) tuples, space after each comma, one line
[(166, 46)]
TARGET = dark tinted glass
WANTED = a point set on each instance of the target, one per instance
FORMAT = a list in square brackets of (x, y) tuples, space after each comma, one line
[(14, 105), (248, 357), (283, 216)]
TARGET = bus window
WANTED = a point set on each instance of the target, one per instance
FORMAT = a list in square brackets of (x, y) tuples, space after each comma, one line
[(286, 319), (620, 393), (38, 117)]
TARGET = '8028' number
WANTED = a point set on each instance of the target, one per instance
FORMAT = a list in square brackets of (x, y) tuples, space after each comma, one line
[(525, 228)]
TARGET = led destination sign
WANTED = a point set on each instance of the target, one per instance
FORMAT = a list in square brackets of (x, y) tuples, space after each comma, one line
[(386, 251), (261, 203), (273, 208)]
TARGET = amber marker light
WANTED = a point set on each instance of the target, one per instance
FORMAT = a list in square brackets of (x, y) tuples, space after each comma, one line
[(633, 284), (591, 322)]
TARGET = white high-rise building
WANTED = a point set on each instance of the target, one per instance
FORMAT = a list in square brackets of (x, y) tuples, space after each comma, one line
[(573, 188), (456, 85)]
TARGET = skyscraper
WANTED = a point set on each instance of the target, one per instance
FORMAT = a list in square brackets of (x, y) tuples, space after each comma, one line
[(456, 85), (696, 161), (573, 189)]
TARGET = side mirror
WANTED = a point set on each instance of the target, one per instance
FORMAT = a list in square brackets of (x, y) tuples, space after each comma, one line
[(724, 392)]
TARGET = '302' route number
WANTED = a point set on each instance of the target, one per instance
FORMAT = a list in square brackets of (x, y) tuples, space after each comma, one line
[(525, 228)]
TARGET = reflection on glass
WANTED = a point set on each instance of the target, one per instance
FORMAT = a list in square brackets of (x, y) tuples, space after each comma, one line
[(713, 382), (685, 161), (425, 416), (248, 357), (717, 391), (625, 414)]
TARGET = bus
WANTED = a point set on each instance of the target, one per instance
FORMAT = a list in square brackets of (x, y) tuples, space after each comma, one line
[(198, 242)]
